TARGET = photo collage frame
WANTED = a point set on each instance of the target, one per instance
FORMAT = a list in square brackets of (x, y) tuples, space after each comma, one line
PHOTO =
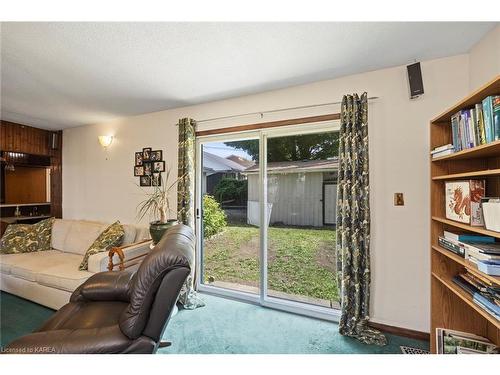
[(149, 165)]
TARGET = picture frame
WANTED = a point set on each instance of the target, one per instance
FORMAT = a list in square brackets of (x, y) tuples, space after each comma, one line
[(159, 166), (139, 170), (148, 168), (156, 155), (156, 179), (138, 158), (146, 154), (145, 181)]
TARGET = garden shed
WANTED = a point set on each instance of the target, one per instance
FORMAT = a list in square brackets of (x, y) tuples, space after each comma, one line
[(300, 193)]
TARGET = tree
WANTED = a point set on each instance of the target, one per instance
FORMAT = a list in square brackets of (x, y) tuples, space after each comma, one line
[(292, 148)]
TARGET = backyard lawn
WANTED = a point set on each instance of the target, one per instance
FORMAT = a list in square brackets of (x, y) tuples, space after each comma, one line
[(300, 261)]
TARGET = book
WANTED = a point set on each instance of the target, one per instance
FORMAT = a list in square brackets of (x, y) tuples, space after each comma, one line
[(484, 248), (443, 153), (473, 126), (496, 116), (449, 341), (455, 132), (480, 123), (463, 201), (468, 237), (442, 148), (488, 118), (451, 246)]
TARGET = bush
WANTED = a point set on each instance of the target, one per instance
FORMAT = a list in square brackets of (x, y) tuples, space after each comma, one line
[(229, 189), (214, 219)]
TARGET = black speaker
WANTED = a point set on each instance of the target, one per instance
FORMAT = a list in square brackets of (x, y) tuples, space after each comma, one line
[(54, 141), (415, 82)]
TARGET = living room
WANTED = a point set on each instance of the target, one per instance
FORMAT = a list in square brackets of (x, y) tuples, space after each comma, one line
[(166, 189)]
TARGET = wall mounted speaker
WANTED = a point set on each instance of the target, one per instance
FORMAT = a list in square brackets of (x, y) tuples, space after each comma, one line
[(415, 82), (54, 138)]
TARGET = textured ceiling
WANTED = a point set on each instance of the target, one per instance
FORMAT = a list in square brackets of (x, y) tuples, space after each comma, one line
[(58, 75)]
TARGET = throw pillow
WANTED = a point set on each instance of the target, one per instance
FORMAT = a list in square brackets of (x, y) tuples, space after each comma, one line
[(14, 239), (27, 238), (111, 237)]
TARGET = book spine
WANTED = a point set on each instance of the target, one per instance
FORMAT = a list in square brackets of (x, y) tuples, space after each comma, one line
[(454, 248), (480, 123), (454, 133), (488, 118), (496, 116), (474, 131)]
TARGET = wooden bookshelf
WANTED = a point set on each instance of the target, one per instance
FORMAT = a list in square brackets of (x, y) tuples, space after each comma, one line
[(452, 307)]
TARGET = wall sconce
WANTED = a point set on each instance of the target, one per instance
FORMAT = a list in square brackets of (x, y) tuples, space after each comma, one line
[(105, 140)]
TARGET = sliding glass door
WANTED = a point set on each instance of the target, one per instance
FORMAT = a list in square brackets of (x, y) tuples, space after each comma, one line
[(266, 217)]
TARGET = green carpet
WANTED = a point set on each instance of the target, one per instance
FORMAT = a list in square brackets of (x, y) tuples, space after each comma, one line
[(223, 326)]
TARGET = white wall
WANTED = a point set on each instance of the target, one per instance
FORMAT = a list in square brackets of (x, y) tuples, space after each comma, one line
[(484, 59), (96, 188)]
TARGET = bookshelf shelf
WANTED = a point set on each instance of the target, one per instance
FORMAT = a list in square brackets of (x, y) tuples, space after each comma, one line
[(469, 265), (479, 230), (451, 306), (488, 150), (467, 299), (485, 173)]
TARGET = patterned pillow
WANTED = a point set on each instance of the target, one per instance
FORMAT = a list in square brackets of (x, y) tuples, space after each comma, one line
[(40, 235), (14, 239), (26, 238), (111, 237)]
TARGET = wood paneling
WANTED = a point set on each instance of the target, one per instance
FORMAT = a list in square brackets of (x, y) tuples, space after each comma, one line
[(23, 138), (451, 307), (26, 185), (27, 139)]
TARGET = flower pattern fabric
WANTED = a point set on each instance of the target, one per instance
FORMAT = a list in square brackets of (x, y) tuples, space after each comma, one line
[(112, 236), (353, 222), (185, 200)]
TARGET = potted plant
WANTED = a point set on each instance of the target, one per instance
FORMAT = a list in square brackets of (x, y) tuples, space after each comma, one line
[(157, 206)]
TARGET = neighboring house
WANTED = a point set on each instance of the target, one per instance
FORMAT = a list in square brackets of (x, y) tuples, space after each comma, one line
[(241, 160), (215, 168), (301, 193)]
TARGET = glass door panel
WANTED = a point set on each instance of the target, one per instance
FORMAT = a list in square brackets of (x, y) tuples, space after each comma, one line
[(230, 211), (301, 172)]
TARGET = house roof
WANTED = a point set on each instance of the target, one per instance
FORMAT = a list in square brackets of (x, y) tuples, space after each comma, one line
[(297, 166), (214, 163), (240, 160)]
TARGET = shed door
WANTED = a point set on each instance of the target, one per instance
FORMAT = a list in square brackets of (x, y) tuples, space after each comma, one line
[(330, 203)]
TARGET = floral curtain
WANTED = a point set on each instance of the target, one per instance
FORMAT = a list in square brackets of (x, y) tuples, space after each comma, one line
[(185, 200), (353, 222)]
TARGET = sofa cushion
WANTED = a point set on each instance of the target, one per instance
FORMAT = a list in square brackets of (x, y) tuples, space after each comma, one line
[(110, 237), (27, 265), (8, 260), (81, 236), (60, 230), (130, 233), (64, 276)]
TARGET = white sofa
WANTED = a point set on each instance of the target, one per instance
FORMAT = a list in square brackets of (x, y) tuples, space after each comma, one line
[(49, 277)]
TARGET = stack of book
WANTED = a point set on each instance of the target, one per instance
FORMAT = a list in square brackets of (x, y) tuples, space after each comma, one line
[(485, 293), (481, 250), (443, 151), (477, 126)]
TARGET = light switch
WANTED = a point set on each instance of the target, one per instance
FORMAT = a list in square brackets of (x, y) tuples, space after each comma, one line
[(399, 199)]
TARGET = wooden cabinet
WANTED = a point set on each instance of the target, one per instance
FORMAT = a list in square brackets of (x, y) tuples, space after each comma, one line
[(29, 140), (451, 307)]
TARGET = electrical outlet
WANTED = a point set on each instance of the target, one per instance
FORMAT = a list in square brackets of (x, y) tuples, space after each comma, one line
[(399, 199)]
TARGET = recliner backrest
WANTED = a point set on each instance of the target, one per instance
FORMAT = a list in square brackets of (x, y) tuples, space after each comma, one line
[(162, 272)]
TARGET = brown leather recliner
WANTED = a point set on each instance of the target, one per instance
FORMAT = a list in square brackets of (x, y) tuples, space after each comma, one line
[(119, 312)]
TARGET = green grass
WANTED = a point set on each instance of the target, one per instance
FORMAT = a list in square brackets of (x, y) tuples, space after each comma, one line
[(300, 261)]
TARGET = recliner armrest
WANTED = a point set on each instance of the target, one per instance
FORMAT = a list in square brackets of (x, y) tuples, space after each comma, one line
[(105, 286)]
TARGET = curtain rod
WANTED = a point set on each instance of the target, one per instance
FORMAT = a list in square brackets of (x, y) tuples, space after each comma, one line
[(261, 113)]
